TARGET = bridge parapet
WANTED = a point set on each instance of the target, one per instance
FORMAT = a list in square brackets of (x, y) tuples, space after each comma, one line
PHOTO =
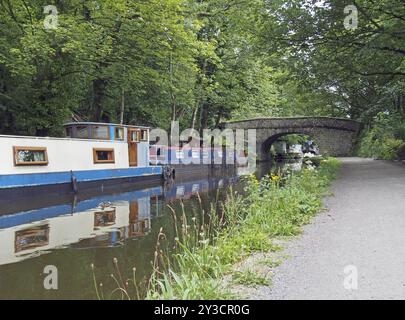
[(334, 136), (296, 122)]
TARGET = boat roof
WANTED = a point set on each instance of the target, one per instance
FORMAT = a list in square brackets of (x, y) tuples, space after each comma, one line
[(103, 124)]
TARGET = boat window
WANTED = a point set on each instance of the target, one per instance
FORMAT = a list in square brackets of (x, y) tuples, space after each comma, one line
[(134, 135), (101, 132), (104, 155), (82, 132), (30, 156), (31, 238), (144, 135), (119, 133), (104, 218)]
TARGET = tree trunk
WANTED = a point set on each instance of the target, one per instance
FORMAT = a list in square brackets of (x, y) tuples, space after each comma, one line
[(204, 117), (195, 112), (219, 117), (122, 107), (401, 106), (99, 86)]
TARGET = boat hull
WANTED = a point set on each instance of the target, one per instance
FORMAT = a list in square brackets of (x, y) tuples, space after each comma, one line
[(35, 185)]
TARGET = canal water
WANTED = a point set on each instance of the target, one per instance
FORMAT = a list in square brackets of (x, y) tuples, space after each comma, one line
[(71, 236)]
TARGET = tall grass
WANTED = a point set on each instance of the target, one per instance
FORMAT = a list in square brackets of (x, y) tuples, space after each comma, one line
[(206, 247), (277, 205)]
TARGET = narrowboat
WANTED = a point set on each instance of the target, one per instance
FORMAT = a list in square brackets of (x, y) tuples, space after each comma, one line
[(186, 160), (165, 155), (91, 154)]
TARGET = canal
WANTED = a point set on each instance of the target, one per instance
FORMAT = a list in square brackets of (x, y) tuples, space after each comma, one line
[(95, 230)]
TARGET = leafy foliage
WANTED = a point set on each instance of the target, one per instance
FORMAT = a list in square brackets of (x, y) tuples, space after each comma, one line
[(198, 61), (385, 139), (186, 60)]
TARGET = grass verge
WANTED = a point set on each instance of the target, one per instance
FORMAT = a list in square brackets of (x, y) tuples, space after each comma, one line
[(249, 278), (206, 252), (275, 206)]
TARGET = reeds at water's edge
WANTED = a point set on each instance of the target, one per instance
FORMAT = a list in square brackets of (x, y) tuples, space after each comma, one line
[(206, 246)]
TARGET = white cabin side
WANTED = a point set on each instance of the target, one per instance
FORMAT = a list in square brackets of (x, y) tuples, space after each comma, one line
[(63, 155), (90, 152), (67, 154)]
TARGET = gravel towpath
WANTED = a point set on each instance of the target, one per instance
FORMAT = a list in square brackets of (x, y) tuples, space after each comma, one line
[(364, 227)]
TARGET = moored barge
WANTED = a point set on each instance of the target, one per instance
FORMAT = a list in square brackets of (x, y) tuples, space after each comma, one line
[(91, 154)]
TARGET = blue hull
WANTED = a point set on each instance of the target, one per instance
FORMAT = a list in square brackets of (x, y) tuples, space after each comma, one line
[(55, 178)]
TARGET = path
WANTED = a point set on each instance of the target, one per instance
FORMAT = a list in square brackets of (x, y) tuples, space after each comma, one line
[(364, 227)]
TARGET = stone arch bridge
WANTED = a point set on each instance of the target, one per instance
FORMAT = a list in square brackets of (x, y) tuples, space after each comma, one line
[(334, 136)]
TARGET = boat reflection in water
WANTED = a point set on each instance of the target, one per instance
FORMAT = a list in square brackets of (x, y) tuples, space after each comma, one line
[(102, 226), (106, 221)]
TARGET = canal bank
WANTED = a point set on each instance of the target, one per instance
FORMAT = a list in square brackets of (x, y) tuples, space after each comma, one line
[(206, 254), (74, 232), (111, 232), (362, 233)]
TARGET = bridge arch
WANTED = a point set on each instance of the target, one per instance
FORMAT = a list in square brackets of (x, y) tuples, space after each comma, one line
[(334, 136), (266, 144)]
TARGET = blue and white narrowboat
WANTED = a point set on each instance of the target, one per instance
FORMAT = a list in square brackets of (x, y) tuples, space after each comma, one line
[(91, 153)]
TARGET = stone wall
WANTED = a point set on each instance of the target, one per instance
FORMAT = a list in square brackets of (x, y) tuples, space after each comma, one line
[(334, 136)]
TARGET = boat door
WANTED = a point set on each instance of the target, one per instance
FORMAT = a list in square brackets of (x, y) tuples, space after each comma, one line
[(133, 140)]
